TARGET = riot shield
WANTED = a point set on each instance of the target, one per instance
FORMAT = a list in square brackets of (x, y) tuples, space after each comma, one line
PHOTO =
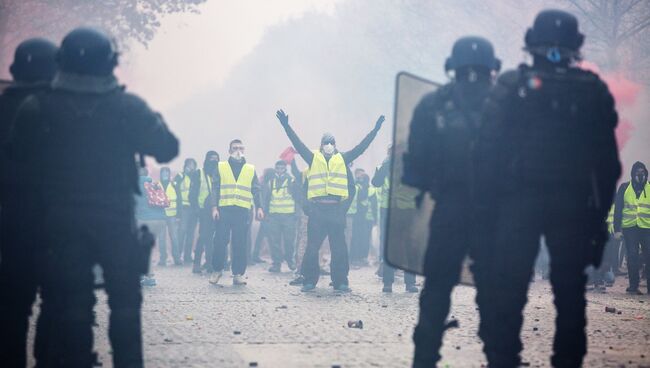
[(407, 225), (409, 211)]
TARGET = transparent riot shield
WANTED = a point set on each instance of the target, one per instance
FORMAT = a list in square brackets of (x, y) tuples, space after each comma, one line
[(409, 211)]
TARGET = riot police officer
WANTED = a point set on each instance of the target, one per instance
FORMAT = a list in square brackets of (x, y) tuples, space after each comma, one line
[(86, 121), (438, 160), (32, 69), (547, 156)]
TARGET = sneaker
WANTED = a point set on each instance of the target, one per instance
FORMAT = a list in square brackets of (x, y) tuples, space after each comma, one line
[(258, 260), (412, 289), (634, 291), (307, 287), (297, 281), (343, 288), (291, 265), (214, 278), (387, 289), (238, 280), (276, 268)]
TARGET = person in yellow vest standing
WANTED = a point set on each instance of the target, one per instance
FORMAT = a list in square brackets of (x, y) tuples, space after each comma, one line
[(172, 213), (189, 217), (202, 198), (330, 189), (237, 190), (632, 222), (364, 217), (405, 204), (280, 205)]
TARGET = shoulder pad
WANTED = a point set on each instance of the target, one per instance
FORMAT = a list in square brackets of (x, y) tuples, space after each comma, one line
[(510, 78)]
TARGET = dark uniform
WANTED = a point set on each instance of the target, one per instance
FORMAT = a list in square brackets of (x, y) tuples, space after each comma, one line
[(33, 68), (547, 155), (81, 137), (439, 160), (203, 199)]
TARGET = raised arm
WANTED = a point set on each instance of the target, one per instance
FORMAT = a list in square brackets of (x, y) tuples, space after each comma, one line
[(357, 151), (302, 149)]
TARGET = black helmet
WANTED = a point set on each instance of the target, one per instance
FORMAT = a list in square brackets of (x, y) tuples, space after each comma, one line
[(34, 60), (554, 28), (87, 51), (472, 51)]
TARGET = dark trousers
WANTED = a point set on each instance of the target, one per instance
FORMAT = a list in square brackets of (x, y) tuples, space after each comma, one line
[(326, 221), (361, 235), (635, 238), (262, 233), (389, 276), (189, 219), (18, 283), (204, 244), (172, 225), (76, 241), (233, 226), (282, 231), (449, 244), (521, 219)]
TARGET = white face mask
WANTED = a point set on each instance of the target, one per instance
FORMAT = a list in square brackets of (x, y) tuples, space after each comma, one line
[(328, 149), (237, 155)]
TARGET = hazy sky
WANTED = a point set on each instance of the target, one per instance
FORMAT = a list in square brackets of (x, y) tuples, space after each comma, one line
[(191, 52)]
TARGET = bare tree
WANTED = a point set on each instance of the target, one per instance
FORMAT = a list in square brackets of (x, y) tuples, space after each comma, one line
[(618, 33), (125, 19)]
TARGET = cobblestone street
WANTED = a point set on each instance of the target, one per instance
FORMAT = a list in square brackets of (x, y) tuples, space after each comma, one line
[(189, 323)]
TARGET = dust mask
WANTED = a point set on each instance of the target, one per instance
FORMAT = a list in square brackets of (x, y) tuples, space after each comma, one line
[(328, 149)]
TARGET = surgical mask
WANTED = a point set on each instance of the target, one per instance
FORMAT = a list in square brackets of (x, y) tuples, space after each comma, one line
[(237, 155), (328, 149), (640, 178)]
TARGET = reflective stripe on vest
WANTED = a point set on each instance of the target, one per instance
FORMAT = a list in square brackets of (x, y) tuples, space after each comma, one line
[(236, 192), (205, 189), (171, 195), (185, 190), (327, 178), (281, 199), (636, 211)]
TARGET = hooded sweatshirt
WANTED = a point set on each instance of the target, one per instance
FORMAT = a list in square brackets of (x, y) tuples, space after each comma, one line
[(639, 190)]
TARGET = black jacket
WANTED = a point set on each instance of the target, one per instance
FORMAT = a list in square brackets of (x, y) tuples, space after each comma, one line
[(81, 136), (548, 131)]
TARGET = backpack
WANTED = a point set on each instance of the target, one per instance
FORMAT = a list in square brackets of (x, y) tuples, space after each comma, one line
[(156, 196)]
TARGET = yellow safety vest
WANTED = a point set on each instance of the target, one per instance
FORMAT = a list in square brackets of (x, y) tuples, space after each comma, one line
[(327, 178), (404, 196), (236, 192), (281, 199), (636, 211), (610, 220), (372, 192), (170, 192), (185, 190), (205, 189)]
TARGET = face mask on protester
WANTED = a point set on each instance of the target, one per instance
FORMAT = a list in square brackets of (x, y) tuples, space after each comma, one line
[(328, 149), (641, 178)]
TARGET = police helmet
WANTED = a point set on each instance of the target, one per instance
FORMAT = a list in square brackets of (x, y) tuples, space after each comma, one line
[(472, 51), (87, 51), (34, 60), (554, 28)]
